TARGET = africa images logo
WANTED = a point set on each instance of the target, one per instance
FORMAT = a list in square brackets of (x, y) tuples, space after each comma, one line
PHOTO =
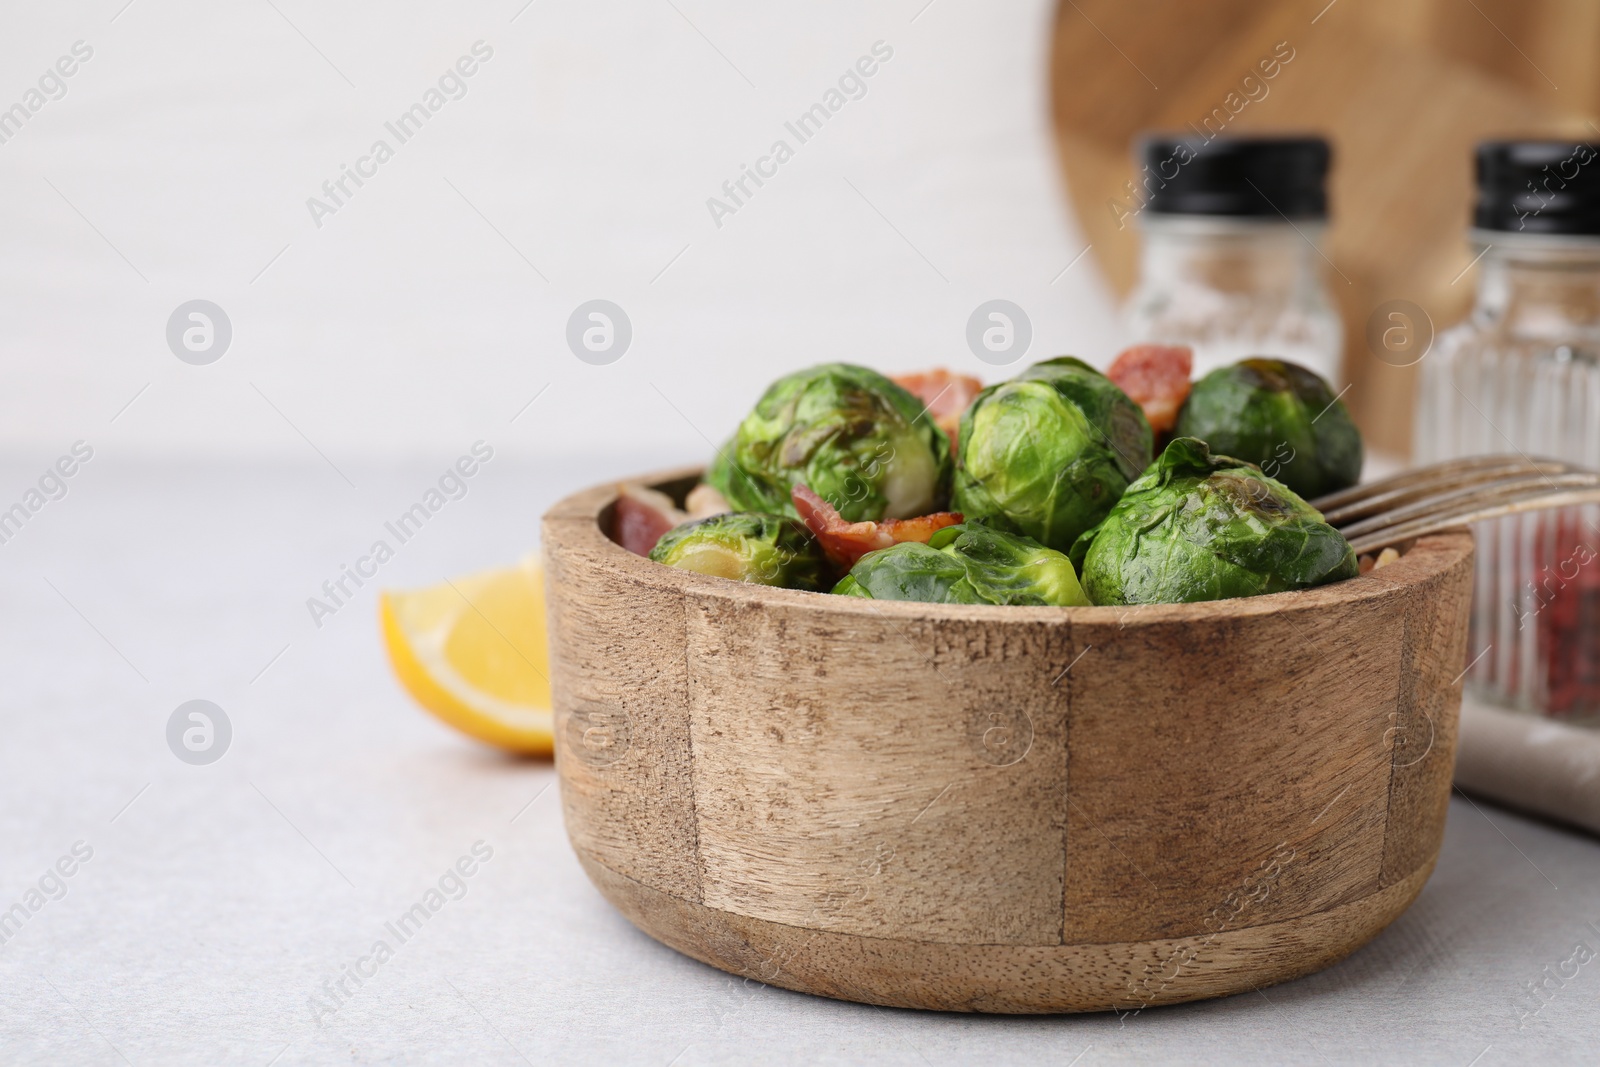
[(453, 884), (452, 485), (1253, 88), (50, 887), (852, 85), (52, 85), (52, 485), (452, 85)]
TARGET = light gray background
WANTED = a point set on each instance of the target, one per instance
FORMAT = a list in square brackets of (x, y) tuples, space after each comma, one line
[(366, 356), (409, 322)]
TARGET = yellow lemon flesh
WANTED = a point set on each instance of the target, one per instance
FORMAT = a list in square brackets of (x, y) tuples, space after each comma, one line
[(474, 652)]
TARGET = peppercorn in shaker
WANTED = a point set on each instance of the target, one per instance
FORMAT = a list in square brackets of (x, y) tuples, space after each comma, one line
[(1522, 374)]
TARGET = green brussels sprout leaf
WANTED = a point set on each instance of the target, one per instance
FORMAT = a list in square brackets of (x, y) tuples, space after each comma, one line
[(1281, 417), (861, 442), (747, 547), (967, 564), (1048, 453), (1198, 526)]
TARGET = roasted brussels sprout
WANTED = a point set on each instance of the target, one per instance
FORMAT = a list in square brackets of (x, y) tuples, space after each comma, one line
[(1047, 453), (858, 440), (1203, 527), (968, 564), (1279, 416), (747, 546)]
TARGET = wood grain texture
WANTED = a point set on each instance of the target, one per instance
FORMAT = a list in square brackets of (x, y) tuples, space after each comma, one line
[(620, 691), (806, 813), (1003, 809), (1180, 794), (1425, 727), (1114, 976)]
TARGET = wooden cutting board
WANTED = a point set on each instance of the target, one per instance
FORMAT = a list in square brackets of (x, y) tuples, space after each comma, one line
[(1403, 88)]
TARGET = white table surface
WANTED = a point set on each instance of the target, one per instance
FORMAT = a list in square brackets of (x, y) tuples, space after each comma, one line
[(218, 902)]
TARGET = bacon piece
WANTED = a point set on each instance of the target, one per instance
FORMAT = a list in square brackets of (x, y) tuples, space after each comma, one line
[(846, 542), (1156, 377), (946, 395), (642, 516)]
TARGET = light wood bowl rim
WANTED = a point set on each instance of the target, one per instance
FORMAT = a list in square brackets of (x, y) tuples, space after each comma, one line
[(580, 516)]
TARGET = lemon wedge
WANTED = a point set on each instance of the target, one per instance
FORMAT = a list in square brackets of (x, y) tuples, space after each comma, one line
[(473, 651)]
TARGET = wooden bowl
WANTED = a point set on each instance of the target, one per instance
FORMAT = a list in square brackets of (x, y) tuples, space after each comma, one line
[(1002, 809)]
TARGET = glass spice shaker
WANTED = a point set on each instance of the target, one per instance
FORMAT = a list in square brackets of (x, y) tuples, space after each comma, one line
[(1522, 374), (1230, 263)]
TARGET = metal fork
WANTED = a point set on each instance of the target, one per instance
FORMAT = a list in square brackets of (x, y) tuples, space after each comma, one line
[(1455, 493)]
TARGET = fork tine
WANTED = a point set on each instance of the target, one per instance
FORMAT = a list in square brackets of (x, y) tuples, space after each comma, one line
[(1470, 495), (1431, 483), (1424, 489), (1404, 478), (1533, 500), (1413, 484)]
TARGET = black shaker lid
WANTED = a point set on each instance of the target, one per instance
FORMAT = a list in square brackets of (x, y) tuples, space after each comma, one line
[(1538, 187), (1242, 177)]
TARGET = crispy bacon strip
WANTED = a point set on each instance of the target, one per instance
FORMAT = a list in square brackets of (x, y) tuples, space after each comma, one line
[(642, 515), (1157, 378), (846, 542), (946, 395)]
